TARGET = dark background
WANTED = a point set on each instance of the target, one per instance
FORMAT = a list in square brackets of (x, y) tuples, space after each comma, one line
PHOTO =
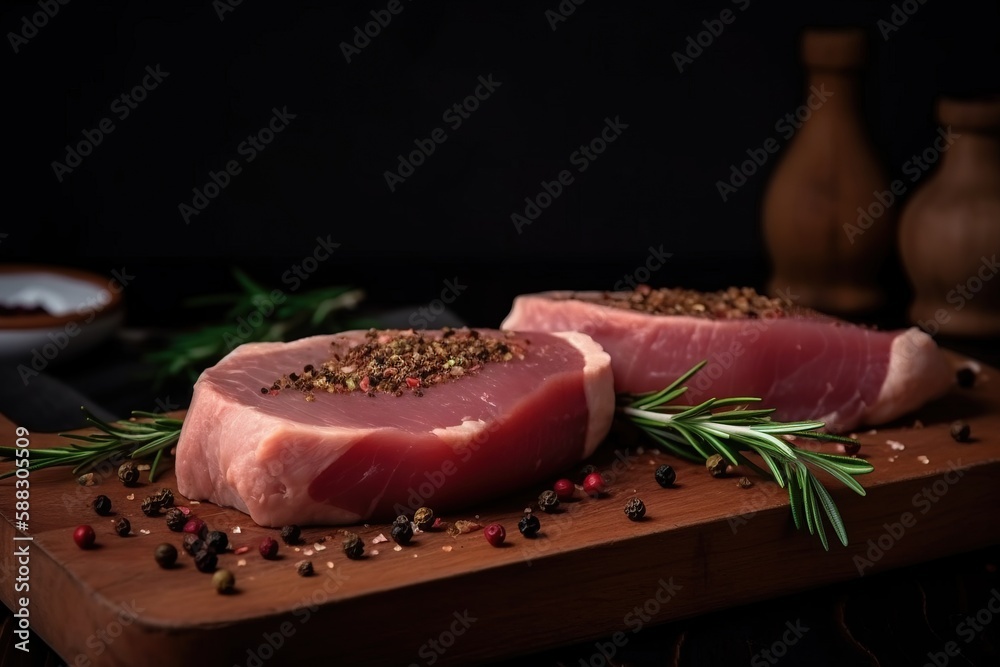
[(323, 175)]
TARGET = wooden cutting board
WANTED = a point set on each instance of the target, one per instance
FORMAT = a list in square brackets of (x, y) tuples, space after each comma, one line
[(706, 544)]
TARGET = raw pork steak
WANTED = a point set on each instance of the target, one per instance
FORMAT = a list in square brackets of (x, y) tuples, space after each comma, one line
[(806, 365), (313, 457)]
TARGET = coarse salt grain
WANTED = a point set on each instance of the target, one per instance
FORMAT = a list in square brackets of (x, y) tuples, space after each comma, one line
[(896, 445), (144, 531), (308, 552), (329, 564), (447, 547), (318, 547), (142, 466), (397, 548), (892, 459), (194, 502), (241, 562), (379, 539), (237, 530), (923, 459), (131, 496), (374, 552)]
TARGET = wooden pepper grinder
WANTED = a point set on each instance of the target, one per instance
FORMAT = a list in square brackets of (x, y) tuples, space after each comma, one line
[(824, 228), (949, 234)]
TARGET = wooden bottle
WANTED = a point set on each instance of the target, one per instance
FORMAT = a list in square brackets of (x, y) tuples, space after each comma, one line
[(949, 235), (826, 233)]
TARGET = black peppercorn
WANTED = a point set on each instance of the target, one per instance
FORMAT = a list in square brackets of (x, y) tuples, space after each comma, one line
[(102, 505), (304, 568), (966, 377), (548, 501), (402, 533), (354, 548), (291, 534), (424, 518), (193, 544), (635, 509), (123, 527), (529, 525), (206, 560), (744, 482), (217, 541), (961, 431), (665, 476), (852, 448), (150, 506), (128, 474), (165, 555), (165, 497), (176, 519)]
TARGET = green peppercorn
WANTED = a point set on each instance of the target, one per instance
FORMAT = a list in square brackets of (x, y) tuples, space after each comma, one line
[(665, 476), (176, 519), (217, 541), (354, 548), (716, 465), (548, 501), (102, 505), (123, 527), (529, 525), (402, 533), (224, 581), (206, 560), (165, 555), (304, 568), (128, 474), (150, 506), (424, 518), (635, 509), (291, 534)]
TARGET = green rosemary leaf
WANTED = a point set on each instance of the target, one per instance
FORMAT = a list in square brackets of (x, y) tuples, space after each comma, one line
[(831, 510)]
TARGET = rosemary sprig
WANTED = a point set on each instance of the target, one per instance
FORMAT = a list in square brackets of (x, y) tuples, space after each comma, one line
[(297, 315), (133, 439), (696, 432)]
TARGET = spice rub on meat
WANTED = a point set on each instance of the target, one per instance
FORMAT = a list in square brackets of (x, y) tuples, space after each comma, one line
[(804, 364), (467, 415)]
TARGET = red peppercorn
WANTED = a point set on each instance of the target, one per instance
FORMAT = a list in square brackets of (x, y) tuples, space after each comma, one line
[(195, 526), (495, 534), (594, 485), (84, 537), (564, 489), (268, 548)]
